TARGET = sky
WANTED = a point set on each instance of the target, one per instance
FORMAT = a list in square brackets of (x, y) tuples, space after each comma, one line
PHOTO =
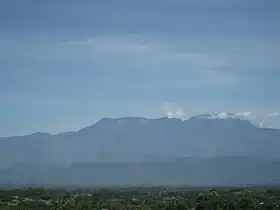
[(66, 64)]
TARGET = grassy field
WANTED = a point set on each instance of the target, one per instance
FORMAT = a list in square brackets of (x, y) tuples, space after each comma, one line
[(139, 198)]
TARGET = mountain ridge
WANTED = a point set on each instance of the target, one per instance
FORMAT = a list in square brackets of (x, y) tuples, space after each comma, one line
[(139, 138), (206, 116), (137, 150)]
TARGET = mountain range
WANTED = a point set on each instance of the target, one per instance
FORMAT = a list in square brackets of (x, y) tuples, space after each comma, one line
[(134, 150)]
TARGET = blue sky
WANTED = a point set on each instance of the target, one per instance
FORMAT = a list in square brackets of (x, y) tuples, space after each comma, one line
[(65, 64)]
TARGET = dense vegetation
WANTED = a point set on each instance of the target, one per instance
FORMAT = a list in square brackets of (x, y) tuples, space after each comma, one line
[(139, 198)]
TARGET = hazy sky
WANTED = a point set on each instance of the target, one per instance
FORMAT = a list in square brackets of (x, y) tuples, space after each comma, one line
[(64, 64)]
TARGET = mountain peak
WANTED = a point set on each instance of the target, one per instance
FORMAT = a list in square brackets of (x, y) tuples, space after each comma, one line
[(121, 120), (136, 119), (39, 134)]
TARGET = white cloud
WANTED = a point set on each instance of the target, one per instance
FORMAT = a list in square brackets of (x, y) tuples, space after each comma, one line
[(226, 115), (222, 115), (245, 115), (172, 110), (274, 114)]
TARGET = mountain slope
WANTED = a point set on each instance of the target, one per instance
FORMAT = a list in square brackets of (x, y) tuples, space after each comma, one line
[(137, 139)]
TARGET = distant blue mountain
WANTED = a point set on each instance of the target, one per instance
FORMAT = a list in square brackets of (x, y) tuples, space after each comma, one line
[(140, 139), (199, 151)]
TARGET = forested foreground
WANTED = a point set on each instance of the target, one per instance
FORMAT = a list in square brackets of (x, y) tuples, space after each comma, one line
[(139, 198)]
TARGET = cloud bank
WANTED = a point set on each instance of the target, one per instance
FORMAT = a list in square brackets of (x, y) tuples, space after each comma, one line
[(226, 115), (274, 114)]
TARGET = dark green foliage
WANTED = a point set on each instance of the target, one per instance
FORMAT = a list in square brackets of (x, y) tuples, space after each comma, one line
[(139, 198)]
